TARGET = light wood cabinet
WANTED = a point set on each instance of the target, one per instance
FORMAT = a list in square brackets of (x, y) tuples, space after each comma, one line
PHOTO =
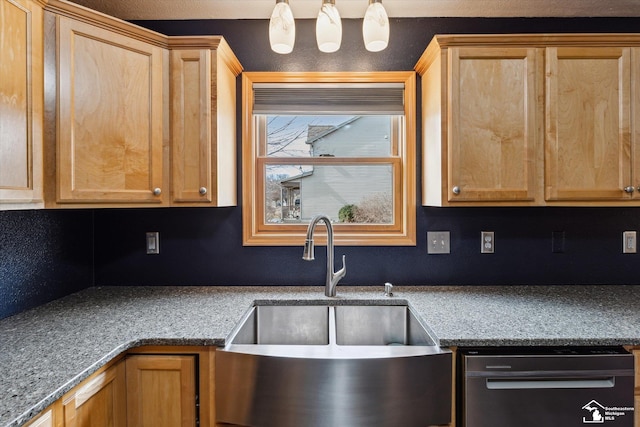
[(100, 402), (46, 419), (588, 119), (543, 120), (203, 119), (140, 119), (482, 114), (110, 129), (161, 390), (21, 104)]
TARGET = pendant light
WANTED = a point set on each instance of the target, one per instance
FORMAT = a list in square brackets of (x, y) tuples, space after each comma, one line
[(328, 27), (375, 27), (282, 28)]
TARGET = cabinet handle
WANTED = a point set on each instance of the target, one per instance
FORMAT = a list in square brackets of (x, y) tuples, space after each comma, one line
[(629, 189), (203, 190), (157, 191), (456, 190)]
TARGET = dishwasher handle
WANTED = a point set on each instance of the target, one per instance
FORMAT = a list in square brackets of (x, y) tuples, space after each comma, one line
[(548, 383)]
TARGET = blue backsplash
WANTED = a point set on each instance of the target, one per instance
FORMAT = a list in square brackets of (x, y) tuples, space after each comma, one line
[(44, 255), (48, 254)]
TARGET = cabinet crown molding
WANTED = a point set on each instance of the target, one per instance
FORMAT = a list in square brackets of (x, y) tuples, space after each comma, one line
[(443, 41)]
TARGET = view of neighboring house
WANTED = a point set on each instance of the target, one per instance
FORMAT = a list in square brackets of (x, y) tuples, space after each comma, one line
[(327, 188)]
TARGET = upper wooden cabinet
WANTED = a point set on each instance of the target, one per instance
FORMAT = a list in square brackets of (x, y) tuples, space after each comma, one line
[(203, 113), (109, 118), (588, 119), (21, 104), (140, 119), (481, 115), (531, 120)]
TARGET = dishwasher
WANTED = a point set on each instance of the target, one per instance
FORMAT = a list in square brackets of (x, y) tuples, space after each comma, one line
[(545, 387)]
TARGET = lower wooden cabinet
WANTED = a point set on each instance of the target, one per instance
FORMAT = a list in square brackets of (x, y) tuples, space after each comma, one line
[(99, 402), (161, 390), (149, 386)]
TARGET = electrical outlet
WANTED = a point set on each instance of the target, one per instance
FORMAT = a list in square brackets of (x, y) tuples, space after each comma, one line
[(629, 242), (488, 242), (438, 242), (153, 242)]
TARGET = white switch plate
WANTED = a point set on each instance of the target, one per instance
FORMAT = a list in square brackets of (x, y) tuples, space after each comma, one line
[(488, 242), (438, 242), (629, 242), (153, 242)]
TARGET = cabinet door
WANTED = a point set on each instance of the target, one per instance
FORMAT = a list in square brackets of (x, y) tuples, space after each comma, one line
[(191, 116), (161, 391), (587, 123), (494, 113), (203, 118), (110, 117), (99, 403), (21, 102)]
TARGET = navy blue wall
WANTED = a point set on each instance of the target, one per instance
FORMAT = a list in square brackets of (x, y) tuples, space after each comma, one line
[(44, 255), (48, 254), (204, 246)]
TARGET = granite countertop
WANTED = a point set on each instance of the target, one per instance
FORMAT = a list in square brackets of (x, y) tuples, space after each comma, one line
[(46, 351)]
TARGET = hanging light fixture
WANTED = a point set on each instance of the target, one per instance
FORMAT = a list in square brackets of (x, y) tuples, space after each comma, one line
[(282, 28), (375, 27), (328, 27)]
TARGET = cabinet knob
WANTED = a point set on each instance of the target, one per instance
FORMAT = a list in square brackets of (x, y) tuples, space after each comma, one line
[(456, 190), (157, 191), (203, 190), (629, 189)]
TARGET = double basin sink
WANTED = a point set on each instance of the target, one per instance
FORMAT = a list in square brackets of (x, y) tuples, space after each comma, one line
[(320, 364)]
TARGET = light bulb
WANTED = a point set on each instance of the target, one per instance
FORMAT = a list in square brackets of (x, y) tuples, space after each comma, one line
[(375, 27), (282, 28), (328, 27)]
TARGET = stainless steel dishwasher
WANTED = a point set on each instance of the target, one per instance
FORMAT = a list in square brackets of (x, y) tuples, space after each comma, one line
[(546, 387)]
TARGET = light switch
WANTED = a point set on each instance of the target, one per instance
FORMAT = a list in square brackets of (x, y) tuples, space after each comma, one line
[(153, 242), (438, 242)]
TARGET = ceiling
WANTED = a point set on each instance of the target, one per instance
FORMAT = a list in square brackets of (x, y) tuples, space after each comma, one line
[(261, 9)]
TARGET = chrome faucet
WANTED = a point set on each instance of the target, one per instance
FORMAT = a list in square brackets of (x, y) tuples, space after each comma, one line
[(308, 255)]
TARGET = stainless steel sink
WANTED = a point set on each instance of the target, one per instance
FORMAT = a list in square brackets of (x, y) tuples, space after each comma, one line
[(332, 365)]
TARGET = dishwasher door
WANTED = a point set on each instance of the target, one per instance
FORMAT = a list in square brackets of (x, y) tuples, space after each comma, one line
[(547, 387)]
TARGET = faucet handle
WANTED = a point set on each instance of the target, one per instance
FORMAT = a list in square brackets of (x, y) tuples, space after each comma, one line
[(388, 287)]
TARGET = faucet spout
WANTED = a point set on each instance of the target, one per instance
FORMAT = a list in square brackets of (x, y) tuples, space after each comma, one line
[(308, 255)]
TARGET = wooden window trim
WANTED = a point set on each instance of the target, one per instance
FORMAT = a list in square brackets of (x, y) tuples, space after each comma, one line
[(401, 233)]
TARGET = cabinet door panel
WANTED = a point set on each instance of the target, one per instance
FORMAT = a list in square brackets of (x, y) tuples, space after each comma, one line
[(494, 105), (99, 403), (21, 102), (191, 119), (161, 391), (587, 123), (110, 119)]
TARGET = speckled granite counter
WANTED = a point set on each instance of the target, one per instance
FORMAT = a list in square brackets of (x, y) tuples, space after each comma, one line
[(46, 351)]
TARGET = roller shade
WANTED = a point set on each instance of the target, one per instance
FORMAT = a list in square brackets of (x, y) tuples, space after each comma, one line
[(328, 98)]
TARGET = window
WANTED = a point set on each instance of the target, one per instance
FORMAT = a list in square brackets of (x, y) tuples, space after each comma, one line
[(338, 144)]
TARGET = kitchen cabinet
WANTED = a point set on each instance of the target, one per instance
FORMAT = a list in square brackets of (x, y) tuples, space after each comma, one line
[(21, 104), (161, 390), (203, 121), (100, 401), (588, 124), (141, 119), (110, 122), (158, 386), (482, 112), (541, 120)]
